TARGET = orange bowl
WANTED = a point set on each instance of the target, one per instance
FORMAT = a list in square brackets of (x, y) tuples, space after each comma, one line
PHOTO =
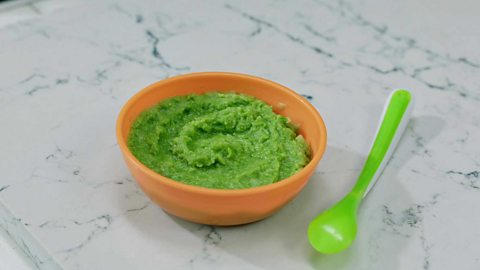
[(220, 206)]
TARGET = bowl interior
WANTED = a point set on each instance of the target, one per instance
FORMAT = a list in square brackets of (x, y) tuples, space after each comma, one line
[(283, 100)]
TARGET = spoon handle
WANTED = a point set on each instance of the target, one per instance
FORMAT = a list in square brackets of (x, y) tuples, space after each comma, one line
[(396, 114)]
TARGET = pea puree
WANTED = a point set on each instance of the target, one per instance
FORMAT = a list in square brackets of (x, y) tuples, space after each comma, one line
[(218, 140)]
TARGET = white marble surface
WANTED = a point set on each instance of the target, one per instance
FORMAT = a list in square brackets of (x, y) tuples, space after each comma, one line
[(67, 69)]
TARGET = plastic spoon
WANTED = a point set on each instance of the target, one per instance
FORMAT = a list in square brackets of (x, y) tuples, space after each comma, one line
[(335, 229)]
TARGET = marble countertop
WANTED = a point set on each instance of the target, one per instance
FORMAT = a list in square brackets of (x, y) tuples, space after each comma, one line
[(67, 67)]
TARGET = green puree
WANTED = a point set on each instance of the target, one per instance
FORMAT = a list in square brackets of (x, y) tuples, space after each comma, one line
[(218, 140)]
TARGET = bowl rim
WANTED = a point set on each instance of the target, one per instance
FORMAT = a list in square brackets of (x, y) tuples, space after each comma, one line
[(212, 191)]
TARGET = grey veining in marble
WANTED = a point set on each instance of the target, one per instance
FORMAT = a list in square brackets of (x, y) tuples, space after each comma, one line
[(67, 70), (34, 255)]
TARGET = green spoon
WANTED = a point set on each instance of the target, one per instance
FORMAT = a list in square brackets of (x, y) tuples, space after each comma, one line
[(335, 229)]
